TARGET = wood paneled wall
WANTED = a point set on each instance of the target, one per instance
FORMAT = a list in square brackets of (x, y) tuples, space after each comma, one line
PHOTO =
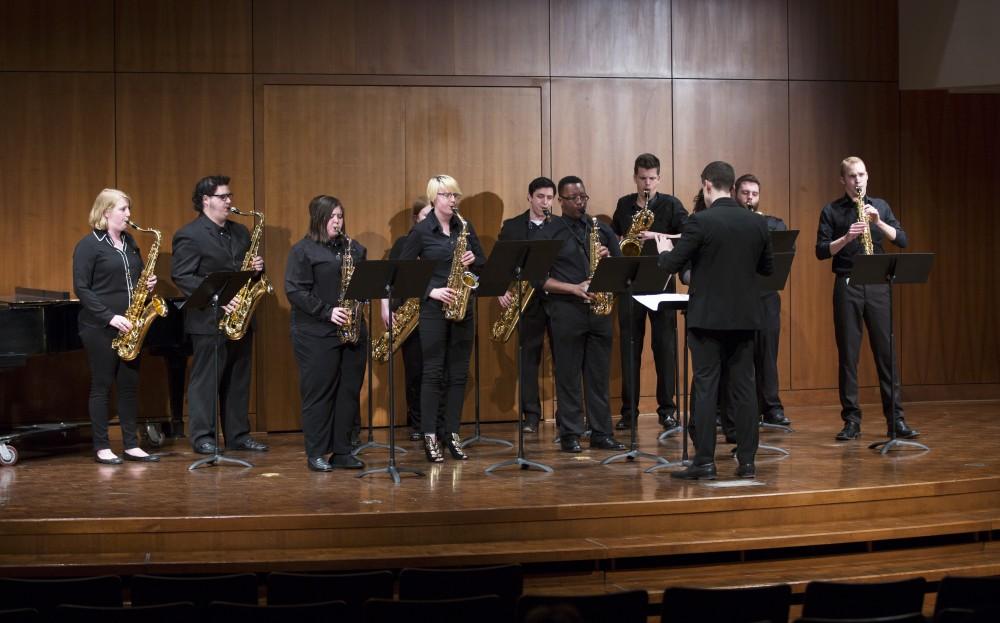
[(366, 100)]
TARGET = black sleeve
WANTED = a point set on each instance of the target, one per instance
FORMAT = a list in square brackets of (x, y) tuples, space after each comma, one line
[(299, 283), (890, 219), (824, 234), (765, 263), (678, 216), (84, 261), (185, 263), (620, 220), (477, 249), (684, 247)]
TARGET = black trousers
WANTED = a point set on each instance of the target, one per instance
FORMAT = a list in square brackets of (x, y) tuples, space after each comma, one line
[(765, 363), (714, 353), (330, 377), (534, 325), (107, 369), (664, 345), (413, 361), (581, 345), (235, 359), (852, 306), (446, 347)]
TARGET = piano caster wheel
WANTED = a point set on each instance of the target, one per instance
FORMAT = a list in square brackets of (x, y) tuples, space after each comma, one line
[(154, 434), (8, 454)]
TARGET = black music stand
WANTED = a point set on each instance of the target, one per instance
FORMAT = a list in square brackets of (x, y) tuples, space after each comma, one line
[(390, 279), (679, 304), (517, 261), (776, 281), (892, 269), (216, 291), (371, 443), (477, 436), (627, 276)]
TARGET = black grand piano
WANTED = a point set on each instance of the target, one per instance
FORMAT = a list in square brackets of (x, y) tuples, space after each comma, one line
[(44, 378)]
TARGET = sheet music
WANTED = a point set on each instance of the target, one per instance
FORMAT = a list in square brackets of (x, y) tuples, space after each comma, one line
[(652, 301)]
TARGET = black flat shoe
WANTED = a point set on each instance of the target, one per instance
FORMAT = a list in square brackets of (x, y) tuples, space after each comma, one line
[(454, 443), (318, 464), (746, 470), (251, 445), (778, 419), (206, 447), (416, 435), (696, 472), (903, 431), (668, 422), (570, 443), (115, 461), (345, 461), (606, 443), (851, 430), (149, 458)]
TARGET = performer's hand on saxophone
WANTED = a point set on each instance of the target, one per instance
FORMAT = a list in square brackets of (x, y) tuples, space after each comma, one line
[(121, 323), (506, 299), (445, 295), (468, 258), (151, 282), (257, 264), (340, 315)]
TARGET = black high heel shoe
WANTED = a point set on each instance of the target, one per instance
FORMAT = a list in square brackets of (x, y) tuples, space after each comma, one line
[(454, 443), (432, 450)]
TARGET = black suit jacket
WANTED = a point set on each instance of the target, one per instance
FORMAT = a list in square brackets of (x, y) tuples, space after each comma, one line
[(727, 246), (198, 251)]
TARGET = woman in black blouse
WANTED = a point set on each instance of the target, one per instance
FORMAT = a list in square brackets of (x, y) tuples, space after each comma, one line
[(330, 370), (446, 344), (106, 267)]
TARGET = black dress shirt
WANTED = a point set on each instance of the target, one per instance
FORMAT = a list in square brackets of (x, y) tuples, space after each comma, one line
[(312, 283), (104, 277), (668, 217), (427, 241), (572, 264), (837, 217)]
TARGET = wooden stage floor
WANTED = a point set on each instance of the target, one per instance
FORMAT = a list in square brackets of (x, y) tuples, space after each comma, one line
[(65, 514)]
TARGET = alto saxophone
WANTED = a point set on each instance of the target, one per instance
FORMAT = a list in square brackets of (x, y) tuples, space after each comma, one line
[(139, 313), (602, 302), (403, 324), (503, 328), (631, 244), (236, 323), (867, 248), (460, 280), (350, 330)]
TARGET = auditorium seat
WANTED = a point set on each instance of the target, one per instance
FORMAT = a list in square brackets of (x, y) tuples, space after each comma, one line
[(45, 595), (504, 581), (985, 614), (622, 607), (726, 605), (841, 600), (149, 590), (352, 588), (967, 592), (323, 612), (20, 615), (485, 609), (161, 613), (913, 617)]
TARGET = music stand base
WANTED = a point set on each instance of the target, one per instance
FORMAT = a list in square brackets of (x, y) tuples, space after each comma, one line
[(889, 444), (374, 444), (669, 433), (781, 427), (218, 459), (764, 446), (634, 454), (481, 439), (392, 470), (523, 463)]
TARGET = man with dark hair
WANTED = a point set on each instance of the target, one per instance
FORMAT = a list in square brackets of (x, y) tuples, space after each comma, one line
[(838, 237), (212, 243), (668, 218), (581, 339), (727, 247), (528, 226)]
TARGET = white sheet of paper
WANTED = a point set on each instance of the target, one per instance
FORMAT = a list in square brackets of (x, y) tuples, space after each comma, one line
[(652, 301)]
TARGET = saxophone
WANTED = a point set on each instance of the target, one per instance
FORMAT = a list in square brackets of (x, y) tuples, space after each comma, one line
[(602, 302), (631, 244), (403, 324), (350, 330), (867, 248), (503, 328), (460, 280), (236, 323), (139, 313)]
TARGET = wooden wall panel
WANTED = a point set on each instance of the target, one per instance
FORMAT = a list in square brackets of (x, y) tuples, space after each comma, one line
[(489, 139), (730, 39), (507, 38), (828, 122), (183, 35), (56, 154), (342, 141), (950, 326), (627, 39), (849, 40), (744, 123), (56, 35), (306, 36)]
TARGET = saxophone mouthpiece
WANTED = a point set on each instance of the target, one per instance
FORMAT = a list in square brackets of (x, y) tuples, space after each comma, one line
[(547, 213), (236, 210), (131, 224)]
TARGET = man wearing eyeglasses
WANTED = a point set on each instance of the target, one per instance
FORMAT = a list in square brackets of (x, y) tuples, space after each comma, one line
[(581, 340), (208, 244)]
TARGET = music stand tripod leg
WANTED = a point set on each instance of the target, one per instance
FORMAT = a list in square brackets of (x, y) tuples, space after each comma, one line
[(477, 436)]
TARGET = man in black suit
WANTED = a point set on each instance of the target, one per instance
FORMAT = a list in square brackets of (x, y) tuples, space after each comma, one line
[(528, 226), (208, 244), (727, 247)]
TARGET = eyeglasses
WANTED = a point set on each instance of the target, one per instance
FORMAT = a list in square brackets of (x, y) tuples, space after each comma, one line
[(224, 196), (455, 196), (576, 198)]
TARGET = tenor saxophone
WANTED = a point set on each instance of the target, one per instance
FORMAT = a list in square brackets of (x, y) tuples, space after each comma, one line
[(404, 322), (460, 280), (631, 244), (602, 302), (350, 330), (139, 313), (236, 323), (867, 248)]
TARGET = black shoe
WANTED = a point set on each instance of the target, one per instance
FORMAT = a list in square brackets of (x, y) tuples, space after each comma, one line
[(251, 445), (318, 464), (570, 443), (345, 461), (624, 423), (529, 428), (454, 443), (903, 431), (851, 430), (730, 438), (668, 422), (416, 435), (746, 470), (149, 458), (206, 447), (777, 418), (432, 450), (696, 472), (112, 461), (606, 443)]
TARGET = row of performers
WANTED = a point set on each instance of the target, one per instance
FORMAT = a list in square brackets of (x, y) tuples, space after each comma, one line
[(733, 328)]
